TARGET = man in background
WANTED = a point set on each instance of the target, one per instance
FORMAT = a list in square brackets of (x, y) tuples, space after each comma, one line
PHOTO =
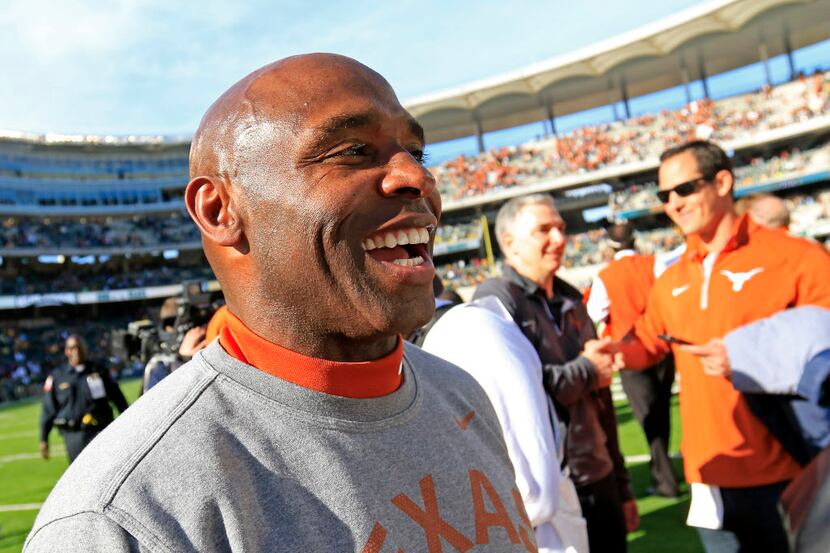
[(733, 272), (576, 368), (161, 364), (765, 209), (617, 299)]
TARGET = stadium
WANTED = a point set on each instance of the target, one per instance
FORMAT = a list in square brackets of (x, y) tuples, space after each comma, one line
[(95, 234)]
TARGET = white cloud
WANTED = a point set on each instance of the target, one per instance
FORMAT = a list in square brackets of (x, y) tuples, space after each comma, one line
[(49, 31)]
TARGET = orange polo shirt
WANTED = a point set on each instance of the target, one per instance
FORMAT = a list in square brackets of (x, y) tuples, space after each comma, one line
[(365, 379), (627, 282), (759, 273)]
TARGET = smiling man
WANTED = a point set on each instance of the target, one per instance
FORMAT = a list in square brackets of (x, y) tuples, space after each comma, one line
[(576, 371), (732, 273), (308, 425)]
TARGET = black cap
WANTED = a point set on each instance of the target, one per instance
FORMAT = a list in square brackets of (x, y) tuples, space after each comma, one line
[(621, 236)]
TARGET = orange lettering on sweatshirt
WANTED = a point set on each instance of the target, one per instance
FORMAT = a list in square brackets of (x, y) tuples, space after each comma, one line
[(429, 518), (376, 539), (527, 535), (479, 484)]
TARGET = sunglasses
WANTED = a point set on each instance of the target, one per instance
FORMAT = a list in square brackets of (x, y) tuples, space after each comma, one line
[(684, 188)]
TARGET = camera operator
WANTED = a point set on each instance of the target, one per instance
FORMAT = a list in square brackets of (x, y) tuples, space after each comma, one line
[(169, 358)]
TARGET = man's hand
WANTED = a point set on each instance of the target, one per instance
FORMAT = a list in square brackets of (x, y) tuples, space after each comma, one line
[(632, 516), (44, 450), (604, 361), (713, 357), (193, 341)]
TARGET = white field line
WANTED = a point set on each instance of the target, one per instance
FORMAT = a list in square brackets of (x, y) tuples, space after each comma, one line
[(18, 435), (53, 451), (646, 457), (21, 507)]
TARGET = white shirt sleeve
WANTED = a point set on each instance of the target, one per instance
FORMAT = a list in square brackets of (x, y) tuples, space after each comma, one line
[(496, 353), (598, 301)]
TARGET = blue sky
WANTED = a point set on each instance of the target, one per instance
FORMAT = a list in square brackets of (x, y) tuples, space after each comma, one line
[(153, 66)]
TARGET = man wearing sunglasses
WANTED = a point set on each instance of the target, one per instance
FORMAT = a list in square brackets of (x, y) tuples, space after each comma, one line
[(732, 273)]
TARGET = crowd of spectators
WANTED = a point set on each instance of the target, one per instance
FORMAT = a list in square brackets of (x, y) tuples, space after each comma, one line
[(28, 355), (787, 164), (98, 232), (580, 151), (70, 277), (467, 272), (643, 137), (810, 215), (450, 234)]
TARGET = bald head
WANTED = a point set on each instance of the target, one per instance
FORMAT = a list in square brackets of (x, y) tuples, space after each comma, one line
[(272, 99), (765, 209), (770, 211)]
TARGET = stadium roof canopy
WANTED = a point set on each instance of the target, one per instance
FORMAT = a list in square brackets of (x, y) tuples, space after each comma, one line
[(90, 143), (712, 38)]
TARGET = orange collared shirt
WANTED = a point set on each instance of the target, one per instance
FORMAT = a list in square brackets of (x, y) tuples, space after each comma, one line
[(365, 379), (759, 273), (628, 281)]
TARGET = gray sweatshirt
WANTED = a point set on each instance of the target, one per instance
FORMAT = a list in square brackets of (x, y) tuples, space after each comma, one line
[(221, 456)]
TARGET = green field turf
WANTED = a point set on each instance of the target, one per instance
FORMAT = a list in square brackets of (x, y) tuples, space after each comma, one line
[(26, 479)]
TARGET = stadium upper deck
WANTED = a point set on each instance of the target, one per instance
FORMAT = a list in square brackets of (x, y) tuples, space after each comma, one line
[(90, 196), (68, 175), (692, 45)]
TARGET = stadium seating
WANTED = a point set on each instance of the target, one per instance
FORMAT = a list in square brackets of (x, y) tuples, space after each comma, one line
[(107, 221), (640, 138)]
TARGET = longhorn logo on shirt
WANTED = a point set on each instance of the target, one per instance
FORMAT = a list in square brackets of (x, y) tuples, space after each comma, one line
[(739, 279)]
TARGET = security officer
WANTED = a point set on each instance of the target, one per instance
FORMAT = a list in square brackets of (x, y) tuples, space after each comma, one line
[(77, 399)]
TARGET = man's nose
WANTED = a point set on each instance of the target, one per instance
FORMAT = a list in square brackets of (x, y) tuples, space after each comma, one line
[(675, 200), (407, 178)]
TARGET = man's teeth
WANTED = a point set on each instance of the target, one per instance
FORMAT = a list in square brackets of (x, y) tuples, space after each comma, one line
[(397, 238), (410, 262)]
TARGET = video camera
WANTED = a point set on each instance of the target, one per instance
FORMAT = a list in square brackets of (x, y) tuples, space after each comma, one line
[(195, 308), (142, 339), (139, 341)]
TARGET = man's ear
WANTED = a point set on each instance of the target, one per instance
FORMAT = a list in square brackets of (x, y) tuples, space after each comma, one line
[(507, 244), (211, 207), (725, 182)]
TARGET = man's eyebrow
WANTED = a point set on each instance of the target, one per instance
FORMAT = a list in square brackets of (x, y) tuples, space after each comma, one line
[(416, 129), (348, 121), (339, 123)]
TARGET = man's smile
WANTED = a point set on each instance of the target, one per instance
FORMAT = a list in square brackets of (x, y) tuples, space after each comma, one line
[(405, 246)]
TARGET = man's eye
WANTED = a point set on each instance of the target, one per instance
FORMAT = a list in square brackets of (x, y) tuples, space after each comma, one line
[(355, 150), (420, 156)]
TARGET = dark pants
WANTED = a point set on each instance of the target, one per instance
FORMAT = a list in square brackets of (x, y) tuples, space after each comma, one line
[(602, 510), (751, 522), (77, 440), (649, 394)]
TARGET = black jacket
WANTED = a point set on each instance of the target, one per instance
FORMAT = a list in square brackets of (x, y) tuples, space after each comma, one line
[(69, 400), (558, 329)]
